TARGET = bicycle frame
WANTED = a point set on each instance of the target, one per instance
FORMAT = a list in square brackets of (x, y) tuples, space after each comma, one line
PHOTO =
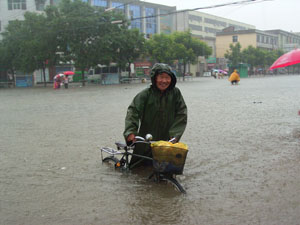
[(124, 164), (126, 152)]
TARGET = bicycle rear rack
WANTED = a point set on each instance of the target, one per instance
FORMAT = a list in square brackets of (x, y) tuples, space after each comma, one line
[(110, 151)]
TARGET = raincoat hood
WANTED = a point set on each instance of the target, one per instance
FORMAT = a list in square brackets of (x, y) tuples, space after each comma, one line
[(159, 68)]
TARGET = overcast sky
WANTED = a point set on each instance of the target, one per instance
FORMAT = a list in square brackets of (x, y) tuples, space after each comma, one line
[(264, 14)]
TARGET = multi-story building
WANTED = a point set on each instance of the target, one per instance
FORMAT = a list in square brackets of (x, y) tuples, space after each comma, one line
[(149, 18), (15, 9), (205, 27), (253, 37), (287, 41)]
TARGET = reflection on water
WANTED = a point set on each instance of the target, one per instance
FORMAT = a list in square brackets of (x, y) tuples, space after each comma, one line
[(242, 167)]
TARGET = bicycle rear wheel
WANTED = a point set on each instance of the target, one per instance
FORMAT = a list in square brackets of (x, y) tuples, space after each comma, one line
[(111, 160), (172, 181)]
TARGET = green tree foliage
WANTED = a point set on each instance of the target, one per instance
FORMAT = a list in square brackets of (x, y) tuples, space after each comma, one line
[(129, 46), (187, 49), (255, 57), (79, 34), (84, 34), (160, 48), (30, 44), (8, 54), (234, 54), (179, 46)]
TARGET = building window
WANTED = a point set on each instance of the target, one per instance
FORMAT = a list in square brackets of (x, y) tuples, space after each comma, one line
[(40, 5), (258, 38), (237, 27), (55, 2), (101, 3), (195, 27), (211, 30), (166, 22), (215, 22), (150, 21), (135, 14), (234, 38), (16, 4), (195, 18), (119, 7)]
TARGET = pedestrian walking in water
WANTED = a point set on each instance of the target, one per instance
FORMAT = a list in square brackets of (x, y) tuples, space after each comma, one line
[(66, 81)]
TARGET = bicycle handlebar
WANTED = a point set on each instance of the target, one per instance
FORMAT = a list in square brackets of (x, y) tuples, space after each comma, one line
[(139, 138), (147, 139)]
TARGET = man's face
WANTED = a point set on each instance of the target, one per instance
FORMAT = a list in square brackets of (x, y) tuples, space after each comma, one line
[(163, 81)]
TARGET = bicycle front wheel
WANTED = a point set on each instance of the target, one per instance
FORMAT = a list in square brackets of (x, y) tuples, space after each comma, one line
[(172, 181)]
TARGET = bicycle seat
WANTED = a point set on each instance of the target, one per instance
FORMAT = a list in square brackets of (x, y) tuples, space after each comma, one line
[(120, 144)]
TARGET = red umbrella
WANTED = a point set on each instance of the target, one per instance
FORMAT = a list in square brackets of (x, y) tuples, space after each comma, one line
[(290, 58), (69, 73), (58, 75)]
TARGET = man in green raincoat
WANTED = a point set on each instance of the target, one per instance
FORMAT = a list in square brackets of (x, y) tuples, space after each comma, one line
[(159, 110)]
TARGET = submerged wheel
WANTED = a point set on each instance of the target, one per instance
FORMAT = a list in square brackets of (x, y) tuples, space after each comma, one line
[(171, 180), (111, 160)]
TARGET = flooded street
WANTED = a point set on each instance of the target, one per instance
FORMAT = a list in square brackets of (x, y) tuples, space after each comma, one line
[(242, 166)]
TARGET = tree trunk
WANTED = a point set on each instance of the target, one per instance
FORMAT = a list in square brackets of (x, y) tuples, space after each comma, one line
[(82, 77), (44, 75), (13, 77), (184, 65), (129, 70)]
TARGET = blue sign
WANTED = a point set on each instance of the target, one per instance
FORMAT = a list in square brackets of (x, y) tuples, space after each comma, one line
[(24, 81), (112, 78)]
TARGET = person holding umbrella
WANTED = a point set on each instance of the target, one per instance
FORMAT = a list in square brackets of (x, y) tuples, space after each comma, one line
[(57, 81), (66, 78), (66, 81)]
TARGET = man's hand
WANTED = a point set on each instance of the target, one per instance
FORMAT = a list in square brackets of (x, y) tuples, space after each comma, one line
[(130, 137), (173, 140)]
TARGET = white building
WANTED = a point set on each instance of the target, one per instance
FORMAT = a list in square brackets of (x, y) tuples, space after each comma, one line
[(205, 26), (139, 12), (14, 10)]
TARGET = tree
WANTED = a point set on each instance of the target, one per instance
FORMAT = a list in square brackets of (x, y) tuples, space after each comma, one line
[(40, 45), (160, 48), (88, 34), (179, 46), (257, 57), (129, 46), (77, 34), (31, 42), (8, 53), (234, 54), (187, 49)]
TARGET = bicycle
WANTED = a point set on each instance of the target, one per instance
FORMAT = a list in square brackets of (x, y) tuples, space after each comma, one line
[(163, 171)]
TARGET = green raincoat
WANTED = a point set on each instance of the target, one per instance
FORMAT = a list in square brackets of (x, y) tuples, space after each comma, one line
[(164, 115)]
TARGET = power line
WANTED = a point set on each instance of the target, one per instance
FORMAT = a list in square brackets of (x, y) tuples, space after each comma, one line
[(206, 7), (243, 2)]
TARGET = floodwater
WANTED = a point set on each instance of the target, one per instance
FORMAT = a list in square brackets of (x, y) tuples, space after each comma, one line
[(242, 166)]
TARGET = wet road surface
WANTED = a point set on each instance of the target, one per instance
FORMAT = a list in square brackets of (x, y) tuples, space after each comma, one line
[(242, 168)]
